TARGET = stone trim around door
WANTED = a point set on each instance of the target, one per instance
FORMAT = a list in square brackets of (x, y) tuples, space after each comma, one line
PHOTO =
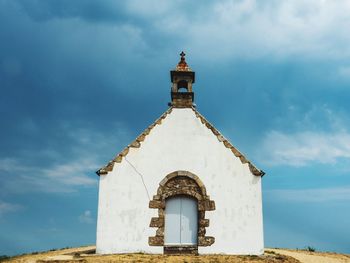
[(181, 183)]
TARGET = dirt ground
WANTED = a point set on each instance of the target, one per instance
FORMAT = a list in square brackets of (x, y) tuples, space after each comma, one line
[(86, 254), (313, 257)]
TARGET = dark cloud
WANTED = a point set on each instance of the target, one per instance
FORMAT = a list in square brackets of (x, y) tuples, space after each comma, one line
[(89, 10), (89, 76), (50, 78)]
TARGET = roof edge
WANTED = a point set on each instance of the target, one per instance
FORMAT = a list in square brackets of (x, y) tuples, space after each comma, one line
[(228, 145), (135, 144)]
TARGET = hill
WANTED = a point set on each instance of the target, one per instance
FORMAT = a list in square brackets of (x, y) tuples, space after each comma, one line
[(86, 254)]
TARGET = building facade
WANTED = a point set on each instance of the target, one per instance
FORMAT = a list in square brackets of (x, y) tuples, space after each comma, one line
[(180, 187)]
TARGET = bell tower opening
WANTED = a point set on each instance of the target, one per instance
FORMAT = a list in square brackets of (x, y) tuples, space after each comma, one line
[(182, 86), (182, 79)]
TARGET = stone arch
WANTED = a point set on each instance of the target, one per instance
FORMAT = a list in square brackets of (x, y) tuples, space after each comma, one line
[(174, 184), (182, 84)]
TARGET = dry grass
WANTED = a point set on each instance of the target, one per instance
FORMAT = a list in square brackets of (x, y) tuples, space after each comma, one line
[(306, 256), (273, 258), (86, 254)]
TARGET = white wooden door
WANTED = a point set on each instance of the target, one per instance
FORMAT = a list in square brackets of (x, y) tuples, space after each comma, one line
[(181, 221)]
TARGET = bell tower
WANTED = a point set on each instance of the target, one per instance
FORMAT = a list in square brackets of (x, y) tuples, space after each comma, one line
[(182, 79)]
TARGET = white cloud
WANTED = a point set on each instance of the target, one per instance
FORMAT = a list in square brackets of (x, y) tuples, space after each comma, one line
[(86, 217), (310, 195), (303, 148), (57, 178), (150, 8), (212, 29), (282, 27), (8, 208), (71, 172), (251, 28)]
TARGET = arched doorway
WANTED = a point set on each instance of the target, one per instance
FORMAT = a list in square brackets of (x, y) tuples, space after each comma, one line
[(181, 195), (181, 221)]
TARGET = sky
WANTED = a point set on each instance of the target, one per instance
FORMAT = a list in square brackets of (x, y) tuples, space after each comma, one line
[(79, 80)]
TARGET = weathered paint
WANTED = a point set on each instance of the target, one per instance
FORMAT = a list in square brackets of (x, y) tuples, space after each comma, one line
[(181, 142)]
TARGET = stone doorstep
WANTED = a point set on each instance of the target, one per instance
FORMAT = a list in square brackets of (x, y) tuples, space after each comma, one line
[(181, 250)]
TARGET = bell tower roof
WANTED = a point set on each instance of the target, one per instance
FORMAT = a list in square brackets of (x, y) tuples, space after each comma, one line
[(182, 68), (182, 65), (182, 78)]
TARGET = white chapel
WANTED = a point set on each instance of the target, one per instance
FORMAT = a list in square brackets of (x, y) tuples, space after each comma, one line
[(180, 187)]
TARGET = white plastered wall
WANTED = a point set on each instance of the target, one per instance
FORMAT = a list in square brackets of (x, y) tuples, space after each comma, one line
[(180, 142)]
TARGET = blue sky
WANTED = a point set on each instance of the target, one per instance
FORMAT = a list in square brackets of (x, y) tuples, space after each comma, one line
[(80, 79)]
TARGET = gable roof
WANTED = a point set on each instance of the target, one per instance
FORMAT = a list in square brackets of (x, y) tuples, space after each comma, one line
[(137, 144)]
